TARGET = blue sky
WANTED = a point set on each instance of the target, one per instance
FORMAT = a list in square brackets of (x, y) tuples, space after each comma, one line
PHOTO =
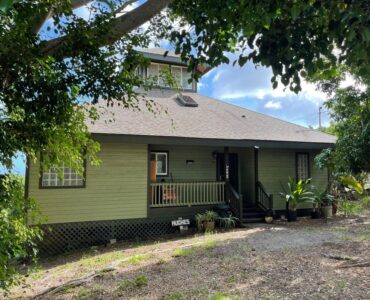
[(248, 87)]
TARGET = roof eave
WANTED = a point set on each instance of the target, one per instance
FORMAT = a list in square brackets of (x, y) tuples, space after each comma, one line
[(170, 140)]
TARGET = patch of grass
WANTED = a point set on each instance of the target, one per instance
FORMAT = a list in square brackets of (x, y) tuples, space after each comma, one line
[(97, 261), (141, 281), (340, 285), (226, 296), (67, 290), (83, 293), (184, 252), (210, 244), (174, 296), (124, 286), (161, 261), (200, 293), (136, 259)]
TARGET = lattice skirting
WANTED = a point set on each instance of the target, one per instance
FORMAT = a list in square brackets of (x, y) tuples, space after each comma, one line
[(60, 238)]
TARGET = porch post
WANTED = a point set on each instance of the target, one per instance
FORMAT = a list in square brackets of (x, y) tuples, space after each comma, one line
[(256, 172), (227, 173)]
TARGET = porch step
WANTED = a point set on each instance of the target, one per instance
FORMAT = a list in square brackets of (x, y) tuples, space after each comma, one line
[(253, 215), (248, 210), (253, 220)]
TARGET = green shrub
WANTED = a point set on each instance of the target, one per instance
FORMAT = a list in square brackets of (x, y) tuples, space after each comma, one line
[(348, 207), (296, 192), (228, 222), (124, 286), (141, 281), (183, 252), (18, 239)]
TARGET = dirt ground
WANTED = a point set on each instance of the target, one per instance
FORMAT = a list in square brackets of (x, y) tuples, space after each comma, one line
[(300, 260)]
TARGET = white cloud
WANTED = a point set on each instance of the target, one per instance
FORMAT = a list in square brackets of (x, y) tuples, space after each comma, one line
[(235, 82), (273, 105), (251, 87)]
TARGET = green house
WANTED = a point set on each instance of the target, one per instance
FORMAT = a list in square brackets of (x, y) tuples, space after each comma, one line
[(193, 154)]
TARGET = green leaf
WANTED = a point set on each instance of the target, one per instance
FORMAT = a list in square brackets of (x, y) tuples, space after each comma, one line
[(295, 11), (366, 34), (352, 183), (5, 5)]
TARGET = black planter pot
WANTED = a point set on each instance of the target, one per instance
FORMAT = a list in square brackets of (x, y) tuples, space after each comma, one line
[(316, 214), (292, 215)]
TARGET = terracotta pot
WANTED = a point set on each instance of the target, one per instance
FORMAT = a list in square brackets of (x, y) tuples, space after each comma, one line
[(209, 226)]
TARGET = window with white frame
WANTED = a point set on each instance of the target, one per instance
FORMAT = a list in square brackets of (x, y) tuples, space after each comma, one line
[(186, 76), (302, 166), (176, 73), (156, 73), (67, 177), (152, 73), (161, 159)]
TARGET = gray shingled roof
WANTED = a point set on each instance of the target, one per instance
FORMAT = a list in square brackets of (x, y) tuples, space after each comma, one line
[(212, 119)]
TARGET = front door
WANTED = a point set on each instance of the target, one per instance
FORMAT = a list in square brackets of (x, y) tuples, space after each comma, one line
[(233, 169)]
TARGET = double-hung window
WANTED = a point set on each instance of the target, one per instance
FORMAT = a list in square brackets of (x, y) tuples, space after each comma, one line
[(65, 176), (161, 159), (302, 166)]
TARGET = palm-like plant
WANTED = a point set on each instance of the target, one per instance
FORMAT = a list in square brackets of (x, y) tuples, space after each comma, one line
[(297, 192), (320, 198)]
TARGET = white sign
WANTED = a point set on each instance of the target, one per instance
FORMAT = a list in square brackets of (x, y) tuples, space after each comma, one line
[(180, 222)]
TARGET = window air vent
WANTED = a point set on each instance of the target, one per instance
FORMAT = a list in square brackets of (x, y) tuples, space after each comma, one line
[(187, 101)]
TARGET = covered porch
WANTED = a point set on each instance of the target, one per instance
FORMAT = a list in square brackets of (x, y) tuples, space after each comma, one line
[(185, 180)]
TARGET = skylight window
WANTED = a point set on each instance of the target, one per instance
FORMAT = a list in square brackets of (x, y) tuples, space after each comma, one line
[(187, 101)]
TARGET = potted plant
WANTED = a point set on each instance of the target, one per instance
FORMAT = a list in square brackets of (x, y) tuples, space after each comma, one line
[(199, 218), (327, 207), (294, 194), (228, 222), (269, 216), (318, 198), (209, 221), (206, 222)]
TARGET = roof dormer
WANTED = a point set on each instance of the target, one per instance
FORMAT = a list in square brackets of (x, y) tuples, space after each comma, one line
[(160, 59)]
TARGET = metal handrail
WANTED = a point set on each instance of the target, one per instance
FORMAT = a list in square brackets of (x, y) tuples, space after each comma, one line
[(264, 200)]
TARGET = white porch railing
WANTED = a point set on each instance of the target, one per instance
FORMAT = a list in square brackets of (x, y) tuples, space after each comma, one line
[(187, 193)]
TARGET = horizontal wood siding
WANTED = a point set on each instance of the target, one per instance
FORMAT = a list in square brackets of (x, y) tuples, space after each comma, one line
[(275, 166), (117, 189), (203, 168)]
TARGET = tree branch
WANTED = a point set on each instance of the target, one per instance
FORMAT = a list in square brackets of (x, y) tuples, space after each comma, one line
[(42, 19), (123, 6), (120, 26)]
